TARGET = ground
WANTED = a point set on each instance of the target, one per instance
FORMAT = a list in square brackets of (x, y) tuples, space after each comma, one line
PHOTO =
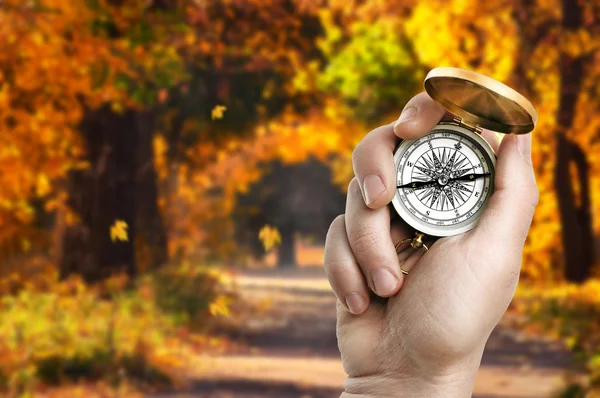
[(291, 348)]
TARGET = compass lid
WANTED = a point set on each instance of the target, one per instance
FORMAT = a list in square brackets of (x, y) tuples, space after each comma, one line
[(480, 100)]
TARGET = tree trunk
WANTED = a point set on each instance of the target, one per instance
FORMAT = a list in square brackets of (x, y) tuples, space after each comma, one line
[(286, 253), (575, 215), (597, 248), (151, 240), (100, 195)]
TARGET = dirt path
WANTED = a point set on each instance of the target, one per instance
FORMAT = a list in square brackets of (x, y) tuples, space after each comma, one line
[(293, 351)]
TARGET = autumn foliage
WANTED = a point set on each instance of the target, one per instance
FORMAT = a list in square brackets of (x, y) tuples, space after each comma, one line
[(67, 332), (131, 132)]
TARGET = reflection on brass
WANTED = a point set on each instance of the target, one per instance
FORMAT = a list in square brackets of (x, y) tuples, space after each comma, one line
[(480, 101), (416, 242)]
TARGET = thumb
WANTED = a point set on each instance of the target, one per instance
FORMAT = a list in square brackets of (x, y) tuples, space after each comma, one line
[(509, 212)]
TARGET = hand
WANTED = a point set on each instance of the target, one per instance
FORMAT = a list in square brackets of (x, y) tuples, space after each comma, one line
[(422, 335)]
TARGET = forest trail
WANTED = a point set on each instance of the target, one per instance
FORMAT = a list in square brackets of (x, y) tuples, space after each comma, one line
[(292, 350)]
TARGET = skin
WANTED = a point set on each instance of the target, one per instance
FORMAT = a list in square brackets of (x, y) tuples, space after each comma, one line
[(423, 334)]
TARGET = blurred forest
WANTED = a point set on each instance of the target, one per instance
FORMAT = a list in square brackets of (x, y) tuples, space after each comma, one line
[(189, 125)]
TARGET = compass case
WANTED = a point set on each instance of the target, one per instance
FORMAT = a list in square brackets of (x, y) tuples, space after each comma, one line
[(480, 101)]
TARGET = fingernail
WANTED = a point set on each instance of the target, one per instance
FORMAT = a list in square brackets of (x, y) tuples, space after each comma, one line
[(524, 146), (373, 188), (356, 303), (406, 115), (384, 282)]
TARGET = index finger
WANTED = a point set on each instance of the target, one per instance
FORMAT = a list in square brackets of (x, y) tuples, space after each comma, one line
[(373, 158)]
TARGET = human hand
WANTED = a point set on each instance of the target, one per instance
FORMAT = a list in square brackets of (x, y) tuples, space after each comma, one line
[(423, 335)]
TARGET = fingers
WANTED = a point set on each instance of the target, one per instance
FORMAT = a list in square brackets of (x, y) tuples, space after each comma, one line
[(509, 211), (373, 159), (373, 162), (344, 274), (408, 257), (491, 139), (419, 116), (411, 258), (368, 232)]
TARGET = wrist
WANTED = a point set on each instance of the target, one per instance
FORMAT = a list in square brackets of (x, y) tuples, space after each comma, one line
[(453, 382), (382, 388)]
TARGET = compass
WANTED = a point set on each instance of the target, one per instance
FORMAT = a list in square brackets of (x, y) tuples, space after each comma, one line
[(444, 179)]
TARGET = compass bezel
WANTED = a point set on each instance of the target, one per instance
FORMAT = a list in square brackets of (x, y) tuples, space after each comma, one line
[(448, 230)]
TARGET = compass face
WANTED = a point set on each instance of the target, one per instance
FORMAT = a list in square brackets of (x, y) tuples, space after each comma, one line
[(443, 180)]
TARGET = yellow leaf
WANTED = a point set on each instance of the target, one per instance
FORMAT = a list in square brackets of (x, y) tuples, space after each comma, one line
[(117, 107), (269, 236), (217, 112), (42, 185), (118, 231), (25, 245), (220, 307)]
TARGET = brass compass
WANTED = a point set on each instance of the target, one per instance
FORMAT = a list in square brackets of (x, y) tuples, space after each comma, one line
[(445, 178)]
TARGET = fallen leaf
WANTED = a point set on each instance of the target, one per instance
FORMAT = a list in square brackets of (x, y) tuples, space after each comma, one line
[(218, 111), (118, 231)]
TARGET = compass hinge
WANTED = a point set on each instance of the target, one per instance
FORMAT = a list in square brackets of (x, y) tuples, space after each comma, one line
[(461, 123)]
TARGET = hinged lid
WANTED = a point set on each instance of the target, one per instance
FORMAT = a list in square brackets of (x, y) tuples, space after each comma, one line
[(480, 101), (460, 122)]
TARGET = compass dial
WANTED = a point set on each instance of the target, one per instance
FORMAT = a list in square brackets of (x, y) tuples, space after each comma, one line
[(443, 180)]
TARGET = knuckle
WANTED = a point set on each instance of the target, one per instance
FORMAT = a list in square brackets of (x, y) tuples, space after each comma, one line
[(364, 240), (338, 225), (421, 97), (339, 221), (354, 187), (530, 195), (534, 195), (356, 154), (363, 147), (337, 270)]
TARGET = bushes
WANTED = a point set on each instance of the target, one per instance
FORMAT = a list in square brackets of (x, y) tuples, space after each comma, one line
[(570, 313), (190, 293), (72, 332)]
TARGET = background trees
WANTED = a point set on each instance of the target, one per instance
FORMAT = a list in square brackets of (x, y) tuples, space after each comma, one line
[(106, 114), (192, 124), (295, 199)]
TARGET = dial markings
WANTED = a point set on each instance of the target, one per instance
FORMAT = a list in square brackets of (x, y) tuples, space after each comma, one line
[(424, 172), (434, 198), (450, 163), (435, 193), (438, 182), (436, 161), (426, 194), (450, 197)]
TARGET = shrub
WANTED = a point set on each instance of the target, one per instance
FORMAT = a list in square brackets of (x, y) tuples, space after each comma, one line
[(570, 313), (71, 332), (189, 292)]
